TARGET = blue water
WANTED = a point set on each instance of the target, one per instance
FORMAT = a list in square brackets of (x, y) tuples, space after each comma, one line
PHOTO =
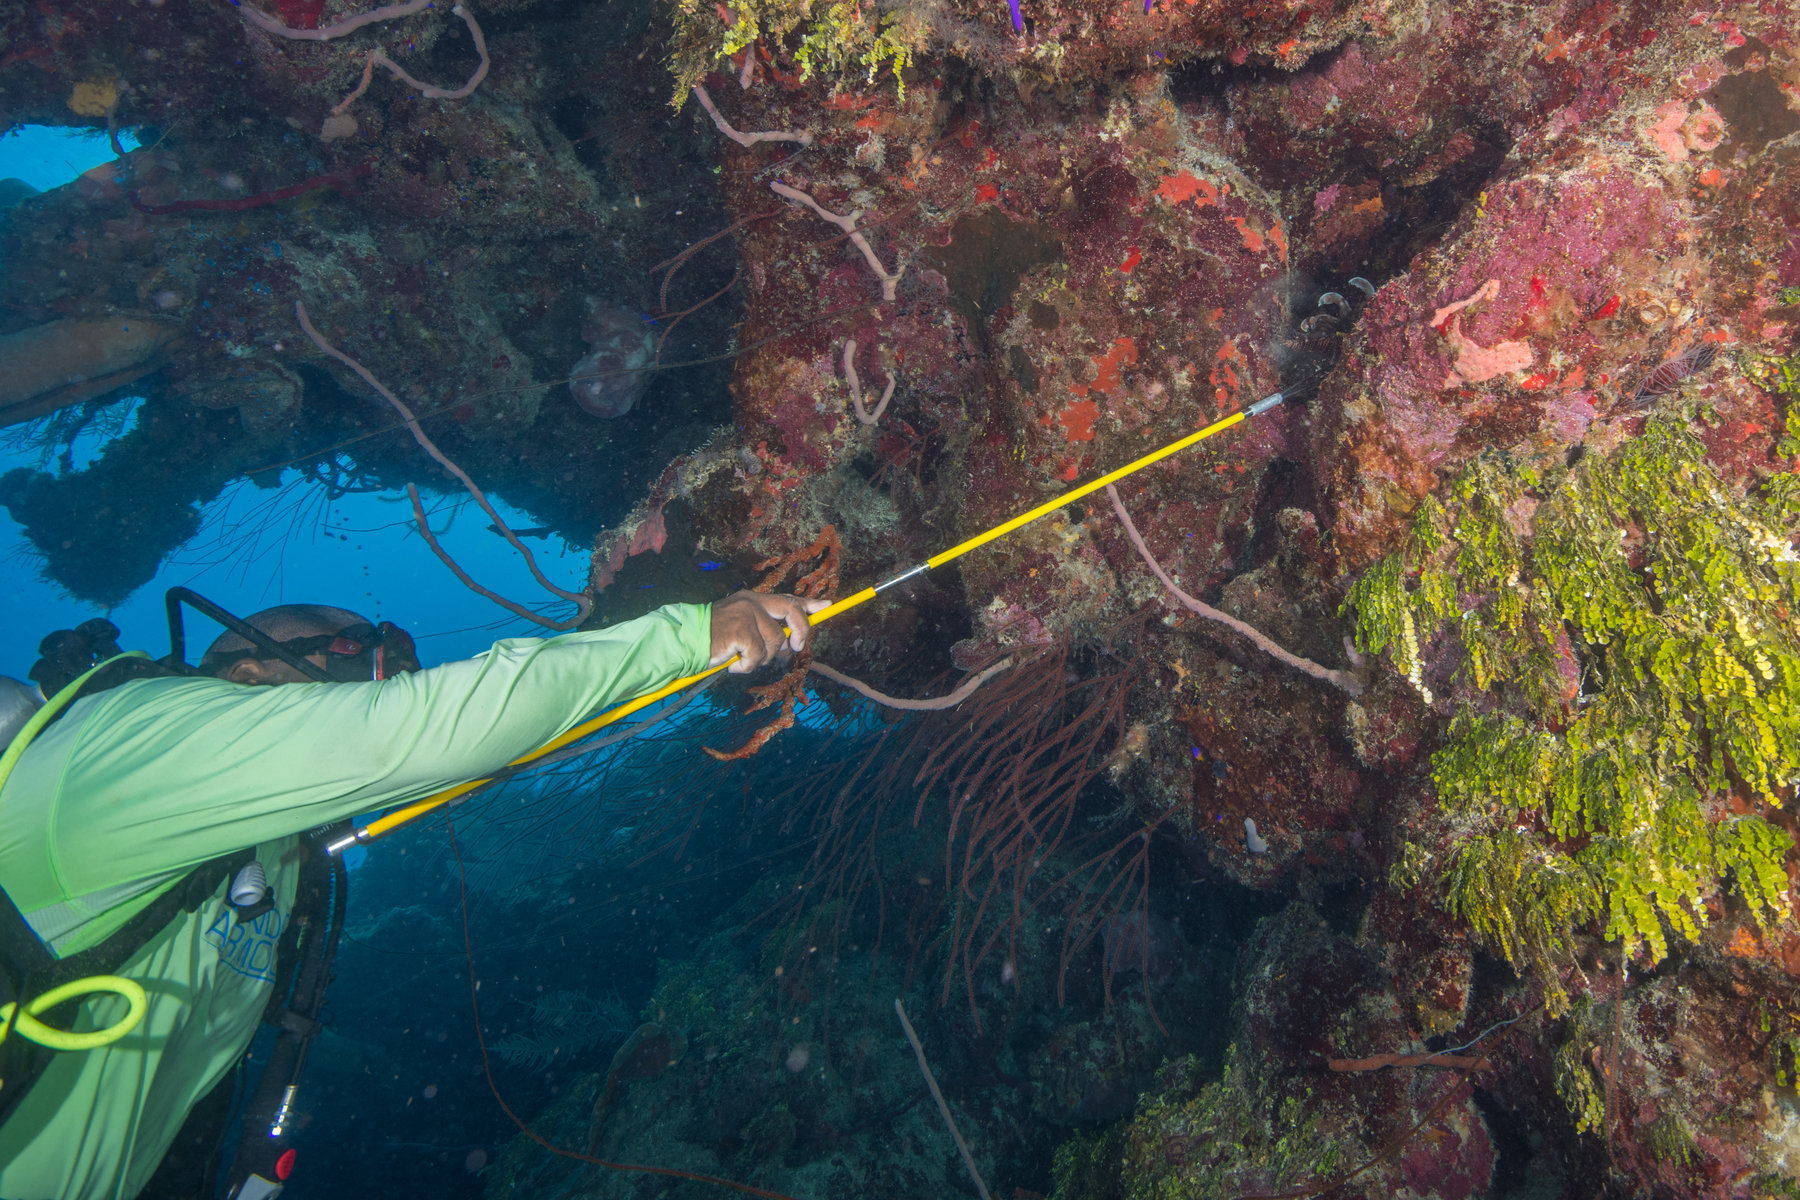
[(360, 552), (47, 157)]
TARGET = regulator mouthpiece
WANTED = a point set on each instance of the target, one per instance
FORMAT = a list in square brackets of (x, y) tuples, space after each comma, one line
[(250, 886)]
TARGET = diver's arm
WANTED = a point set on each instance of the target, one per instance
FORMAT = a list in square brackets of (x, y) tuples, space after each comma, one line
[(162, 774)]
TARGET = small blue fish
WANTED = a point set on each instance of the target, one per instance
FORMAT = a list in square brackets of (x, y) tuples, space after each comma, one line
[(644, 587), (709, 566)]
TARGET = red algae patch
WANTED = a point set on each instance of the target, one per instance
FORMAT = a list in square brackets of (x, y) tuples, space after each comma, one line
[(1253, 241), (1178, 188), (1124, 350), (1078, 420)]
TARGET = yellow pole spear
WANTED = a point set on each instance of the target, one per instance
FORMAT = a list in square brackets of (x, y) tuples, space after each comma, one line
[(417, 809)]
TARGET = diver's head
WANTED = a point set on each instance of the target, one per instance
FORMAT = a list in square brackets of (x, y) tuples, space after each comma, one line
[(345, 646)]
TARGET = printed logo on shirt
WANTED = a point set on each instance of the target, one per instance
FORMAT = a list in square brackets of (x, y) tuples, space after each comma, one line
[(248, 948)]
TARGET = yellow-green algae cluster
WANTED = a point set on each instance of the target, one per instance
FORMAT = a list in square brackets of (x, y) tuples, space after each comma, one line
[(1781, 377), (1675, 600), (1578, 1075), (834, 39), (1678, 601), (1574, 1079)]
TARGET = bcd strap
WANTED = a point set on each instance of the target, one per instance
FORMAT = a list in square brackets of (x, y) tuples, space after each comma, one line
[(28, 968), (312, 908)]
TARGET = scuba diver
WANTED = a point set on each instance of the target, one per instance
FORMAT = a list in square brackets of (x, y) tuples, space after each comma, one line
[(161, 854)]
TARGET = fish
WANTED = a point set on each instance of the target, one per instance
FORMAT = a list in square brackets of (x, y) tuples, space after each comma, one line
[(709, 566), (1131, 943), (1674, 372), (536, 531), (613, 376)]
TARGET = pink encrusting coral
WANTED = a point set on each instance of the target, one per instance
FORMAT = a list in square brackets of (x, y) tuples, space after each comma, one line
[(1528, 292), (1475, 362), (648, 536), (1487, 291), (1682, 129)]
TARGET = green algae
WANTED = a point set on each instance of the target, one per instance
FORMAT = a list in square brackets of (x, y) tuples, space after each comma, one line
[(1630, 691), (1670, 1141), (1780, 376), (1576, 1083), (1189, 1141), (836, 41), (1087, 1167)]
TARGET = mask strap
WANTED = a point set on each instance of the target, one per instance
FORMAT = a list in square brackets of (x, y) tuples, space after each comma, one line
[(250, 633)]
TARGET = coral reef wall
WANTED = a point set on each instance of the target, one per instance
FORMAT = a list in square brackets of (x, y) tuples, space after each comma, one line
[(1531, 276)]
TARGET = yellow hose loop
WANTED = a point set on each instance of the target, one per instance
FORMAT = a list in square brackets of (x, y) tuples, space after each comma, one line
[(29, 1027)]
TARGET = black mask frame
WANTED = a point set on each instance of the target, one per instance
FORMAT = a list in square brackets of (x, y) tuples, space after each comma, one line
[(175, 597), (372, 647)]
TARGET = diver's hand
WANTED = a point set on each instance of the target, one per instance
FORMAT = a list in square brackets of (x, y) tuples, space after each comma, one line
[(750, 625)]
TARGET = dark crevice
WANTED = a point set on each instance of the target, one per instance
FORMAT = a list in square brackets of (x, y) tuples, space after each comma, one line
[(1341, 905), (1515, 1145), (987, 256), (1285, 484), (1213, 80), (1421, 182)]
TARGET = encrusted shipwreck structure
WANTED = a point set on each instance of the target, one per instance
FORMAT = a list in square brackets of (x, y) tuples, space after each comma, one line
[(1523, 787)]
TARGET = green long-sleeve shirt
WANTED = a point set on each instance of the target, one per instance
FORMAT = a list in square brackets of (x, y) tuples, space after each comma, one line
[(135, 786)]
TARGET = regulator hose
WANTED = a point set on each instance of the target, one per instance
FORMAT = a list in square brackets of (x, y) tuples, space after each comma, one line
[(23, 1020), (27, 1026)]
